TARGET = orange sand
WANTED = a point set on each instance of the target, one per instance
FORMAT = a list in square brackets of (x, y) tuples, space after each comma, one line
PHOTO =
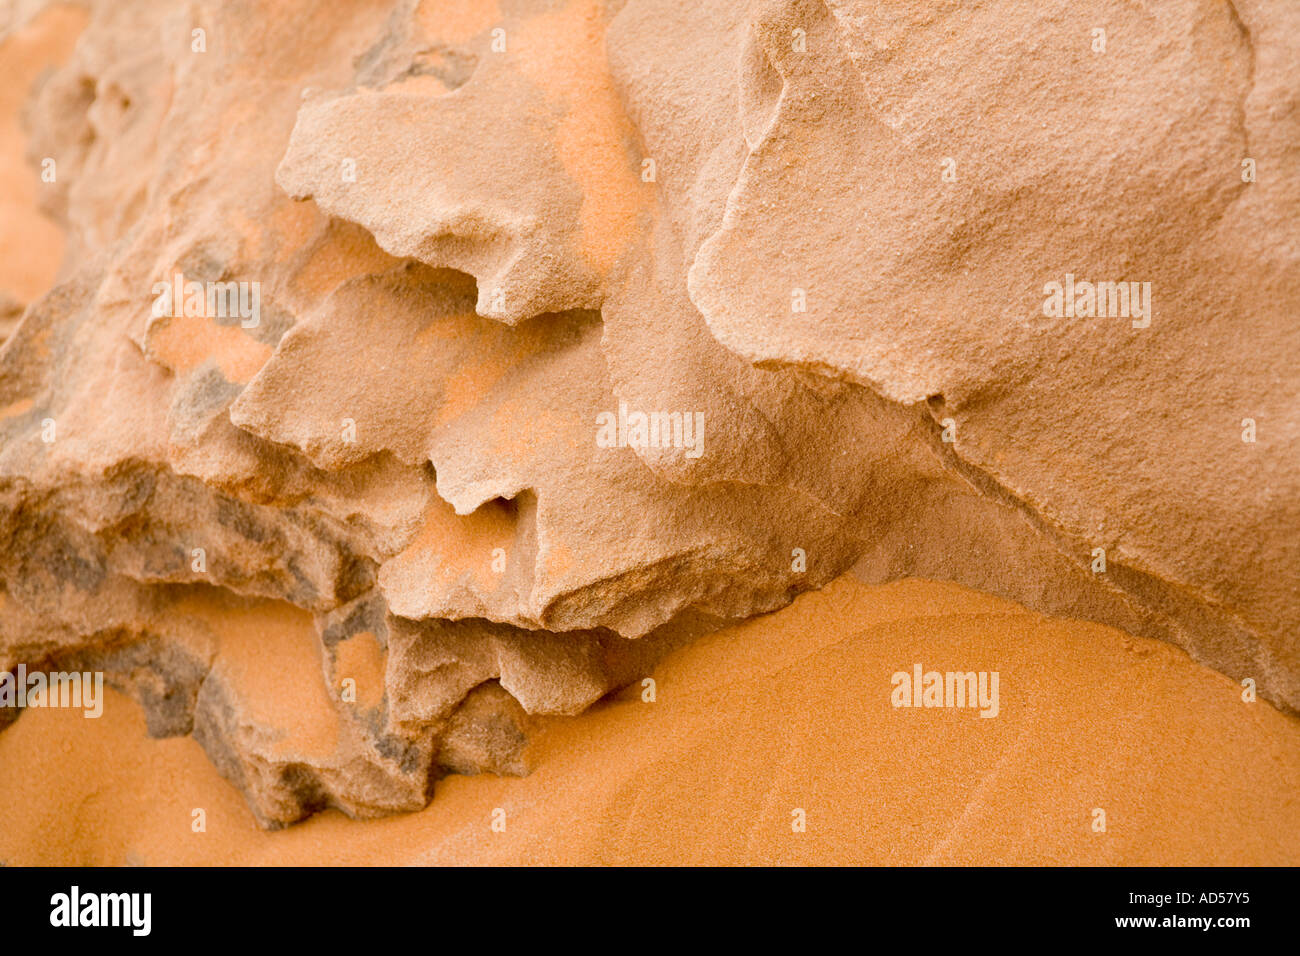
[(789, 711), (31, 245)]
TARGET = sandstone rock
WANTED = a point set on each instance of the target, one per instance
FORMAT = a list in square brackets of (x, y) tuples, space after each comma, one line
[(324, 393)]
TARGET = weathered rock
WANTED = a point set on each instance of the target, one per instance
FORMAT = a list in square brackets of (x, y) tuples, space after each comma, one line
[(324, 394)]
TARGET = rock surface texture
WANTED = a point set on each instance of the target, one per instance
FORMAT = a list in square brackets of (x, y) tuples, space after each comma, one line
[(380, 378)]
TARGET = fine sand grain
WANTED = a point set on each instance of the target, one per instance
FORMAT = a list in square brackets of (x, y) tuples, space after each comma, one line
[(786, 712)]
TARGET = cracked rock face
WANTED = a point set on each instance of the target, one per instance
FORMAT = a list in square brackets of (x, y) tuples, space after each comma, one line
[(381, 379)]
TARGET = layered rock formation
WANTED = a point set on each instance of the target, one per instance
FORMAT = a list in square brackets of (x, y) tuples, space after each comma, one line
[(323, 442)]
